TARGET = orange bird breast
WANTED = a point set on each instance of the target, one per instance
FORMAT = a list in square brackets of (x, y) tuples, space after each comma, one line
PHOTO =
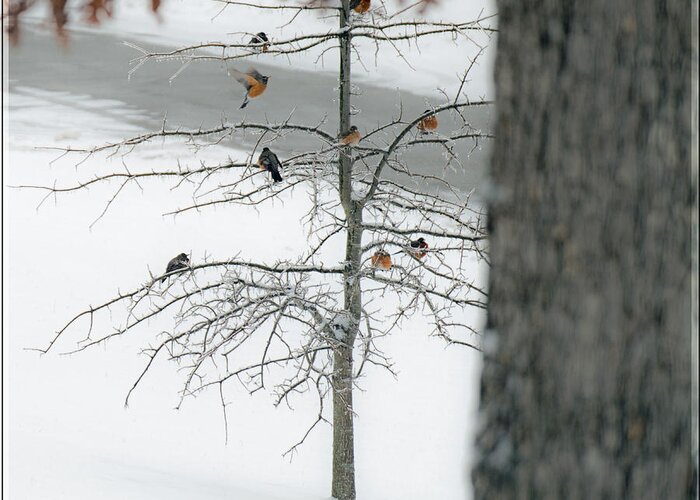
[(381, 260), (256, 88), (428, 123), (351, 139)]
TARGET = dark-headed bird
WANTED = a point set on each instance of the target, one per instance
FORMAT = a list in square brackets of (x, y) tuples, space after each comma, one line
[(269, 161), (182, 261), (260, 41), (351, 137), (418, 248), (254, 83)]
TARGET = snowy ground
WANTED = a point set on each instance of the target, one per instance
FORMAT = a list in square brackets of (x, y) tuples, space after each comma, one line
[(67, 432)]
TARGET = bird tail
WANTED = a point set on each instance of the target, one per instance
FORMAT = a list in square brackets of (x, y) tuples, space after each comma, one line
[(245, 102), (276, 176), (163, 279)]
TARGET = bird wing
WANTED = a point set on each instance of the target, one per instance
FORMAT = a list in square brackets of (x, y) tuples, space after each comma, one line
[(264, 159), (243, 78), (354, 3), (275, 161), (276, 168)]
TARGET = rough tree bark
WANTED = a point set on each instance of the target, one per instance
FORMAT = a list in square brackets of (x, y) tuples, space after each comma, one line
[(587, 376), (343, 481)]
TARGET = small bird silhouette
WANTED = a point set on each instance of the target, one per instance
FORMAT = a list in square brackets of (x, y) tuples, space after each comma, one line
[(428, 123), (269, 161), (182, 261), (381, 260), (254, 83), (351, 137), (360, 6), (418, 248), (261, 41)]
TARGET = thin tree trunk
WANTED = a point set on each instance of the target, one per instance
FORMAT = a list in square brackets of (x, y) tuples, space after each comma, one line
[(343, 482), (343, 487), (587, 377), (344, 161)]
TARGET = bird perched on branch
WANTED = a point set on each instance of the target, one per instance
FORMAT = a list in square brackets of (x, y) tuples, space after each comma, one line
[(254, 83), (351, 137), (360, 6), (269, 161), (182, 261), (260, 41), (418, 248), (428, 124), (381, 260)]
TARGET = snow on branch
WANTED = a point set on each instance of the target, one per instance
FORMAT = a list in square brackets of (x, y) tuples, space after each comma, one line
[(379, 32)]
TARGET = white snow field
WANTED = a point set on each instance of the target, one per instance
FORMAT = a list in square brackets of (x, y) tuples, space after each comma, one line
[(67, 432)]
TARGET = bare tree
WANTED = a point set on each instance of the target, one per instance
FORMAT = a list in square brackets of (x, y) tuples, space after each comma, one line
[(586, 388), (310, 323)]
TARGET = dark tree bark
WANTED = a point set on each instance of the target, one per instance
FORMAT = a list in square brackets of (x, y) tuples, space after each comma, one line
[(586, 389)]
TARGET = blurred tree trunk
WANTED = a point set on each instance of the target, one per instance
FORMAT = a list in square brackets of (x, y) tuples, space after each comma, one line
[(586, 389)]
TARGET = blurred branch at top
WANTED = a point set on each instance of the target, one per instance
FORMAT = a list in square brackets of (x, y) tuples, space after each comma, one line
[(93, 11)]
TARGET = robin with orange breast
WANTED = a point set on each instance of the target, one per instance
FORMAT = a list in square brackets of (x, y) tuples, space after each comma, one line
[(381, 260), (260, 42), (351, 137), (418, 248), (360, 6), (182, 261), (269, 161), (428, 124), (254, 83)]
